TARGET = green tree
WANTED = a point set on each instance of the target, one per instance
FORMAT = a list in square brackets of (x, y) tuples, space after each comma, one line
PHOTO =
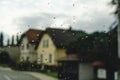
[(4, 57), (117, 3), (17, 39), (92, 46), (78, 46), (8, 42), (12, 41), (1, 40)]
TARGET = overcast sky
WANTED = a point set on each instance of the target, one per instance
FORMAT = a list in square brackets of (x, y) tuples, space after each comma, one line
[(17, 16)]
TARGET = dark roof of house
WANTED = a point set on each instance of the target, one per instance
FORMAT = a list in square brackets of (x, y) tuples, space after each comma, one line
[(32, 35), (62, 37)]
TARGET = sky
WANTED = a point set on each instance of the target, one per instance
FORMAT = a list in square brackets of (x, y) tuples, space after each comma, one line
[(17, 16)]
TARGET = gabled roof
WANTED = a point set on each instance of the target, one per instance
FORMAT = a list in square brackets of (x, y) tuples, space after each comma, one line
[(32, 35), (62, 37)]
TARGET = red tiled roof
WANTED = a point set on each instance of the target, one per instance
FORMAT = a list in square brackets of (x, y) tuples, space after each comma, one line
[(97, 63), (33, 35)]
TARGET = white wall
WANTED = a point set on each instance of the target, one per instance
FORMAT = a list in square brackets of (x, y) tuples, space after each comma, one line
[(27, 52), (85, 71)]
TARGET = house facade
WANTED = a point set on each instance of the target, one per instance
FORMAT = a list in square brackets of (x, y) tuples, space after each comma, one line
[(52, 45), (27, 45), (47, 52)]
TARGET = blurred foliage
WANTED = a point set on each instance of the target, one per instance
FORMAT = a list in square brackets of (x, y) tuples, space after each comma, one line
[(4, 57), (8, 42), (117, 3), (4, 65), (96, 46), (12, 41), (1, 39), (96, 42)]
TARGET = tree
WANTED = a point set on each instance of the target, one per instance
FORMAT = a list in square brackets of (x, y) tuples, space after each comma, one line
[(17, 39), (78, 46), (8, 42), (117, 3), (12, 41), (91, 46), (4, 57), (1, 40)]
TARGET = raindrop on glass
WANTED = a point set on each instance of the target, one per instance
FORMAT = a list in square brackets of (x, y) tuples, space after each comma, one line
[(32, 40), (37, 34), (86, 36), (54, 17), (73, 34), (73, 4)]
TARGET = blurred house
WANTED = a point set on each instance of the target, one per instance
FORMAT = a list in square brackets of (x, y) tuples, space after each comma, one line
[(72, 67), (52, 45), (27, 45), (75, 67)]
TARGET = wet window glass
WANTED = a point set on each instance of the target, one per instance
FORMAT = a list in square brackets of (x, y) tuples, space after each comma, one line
[(59, 39)]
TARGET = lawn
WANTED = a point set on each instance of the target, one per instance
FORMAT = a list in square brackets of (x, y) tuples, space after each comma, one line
[(4, 65), (50, 73)]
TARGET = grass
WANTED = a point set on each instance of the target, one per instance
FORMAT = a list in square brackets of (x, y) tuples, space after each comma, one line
[(52, 74), (4, 65)]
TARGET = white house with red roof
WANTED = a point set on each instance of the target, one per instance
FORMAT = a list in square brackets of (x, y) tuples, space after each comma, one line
[(27, 45)]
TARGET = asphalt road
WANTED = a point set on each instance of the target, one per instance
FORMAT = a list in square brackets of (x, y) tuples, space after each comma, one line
[(15, 75)]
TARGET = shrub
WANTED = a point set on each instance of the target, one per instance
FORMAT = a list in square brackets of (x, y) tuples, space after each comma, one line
[(4, 57)]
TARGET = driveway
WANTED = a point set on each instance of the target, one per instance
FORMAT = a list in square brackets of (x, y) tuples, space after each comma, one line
[(8, 74)]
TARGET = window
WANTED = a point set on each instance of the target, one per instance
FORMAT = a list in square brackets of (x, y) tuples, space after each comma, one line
[(27, 46), (22, 46), (41, 58), (50, 58), (45, 43)]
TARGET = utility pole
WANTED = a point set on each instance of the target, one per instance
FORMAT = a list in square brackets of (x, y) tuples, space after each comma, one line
[(118, 31), (118, 37)]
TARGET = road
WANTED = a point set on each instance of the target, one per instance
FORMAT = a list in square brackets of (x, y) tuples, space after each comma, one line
[(15, 75)]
